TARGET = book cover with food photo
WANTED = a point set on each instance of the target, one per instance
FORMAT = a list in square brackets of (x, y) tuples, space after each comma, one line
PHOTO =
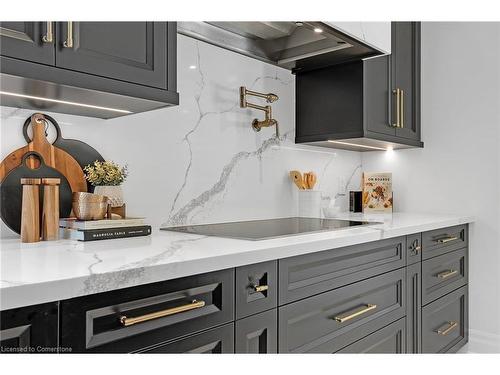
[(377, 192)]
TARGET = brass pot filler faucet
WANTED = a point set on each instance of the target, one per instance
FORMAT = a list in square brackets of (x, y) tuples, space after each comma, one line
[(268, 120)]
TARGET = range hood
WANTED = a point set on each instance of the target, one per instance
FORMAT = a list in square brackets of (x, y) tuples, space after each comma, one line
[(297, 46)]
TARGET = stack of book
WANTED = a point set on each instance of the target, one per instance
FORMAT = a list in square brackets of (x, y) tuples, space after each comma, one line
[(74, 229)]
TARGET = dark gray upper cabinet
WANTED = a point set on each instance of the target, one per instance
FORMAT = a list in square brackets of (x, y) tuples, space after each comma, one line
[(25, 41), (364, 105), (108, 69), (128, 51)]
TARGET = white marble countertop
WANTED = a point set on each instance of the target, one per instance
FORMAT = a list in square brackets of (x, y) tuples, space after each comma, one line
[(57, 270)]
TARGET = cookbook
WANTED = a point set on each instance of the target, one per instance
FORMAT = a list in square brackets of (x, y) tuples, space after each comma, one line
[(377, 192)]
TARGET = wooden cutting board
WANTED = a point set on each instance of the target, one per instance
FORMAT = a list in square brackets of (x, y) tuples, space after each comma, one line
[(53, 156)]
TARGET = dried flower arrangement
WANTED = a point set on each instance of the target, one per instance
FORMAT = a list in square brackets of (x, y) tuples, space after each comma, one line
[(106, 173)]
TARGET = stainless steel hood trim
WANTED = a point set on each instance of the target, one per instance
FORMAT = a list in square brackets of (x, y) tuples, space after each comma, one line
[(290, 51)]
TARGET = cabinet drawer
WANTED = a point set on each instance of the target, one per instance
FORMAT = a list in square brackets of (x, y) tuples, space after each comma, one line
[(215, 341), (307, 275), (388, 340), (256, 288), (414, 248), (332, 320), (441, 241), (443, 274), (257, 334), (445, 323), (31, 329), (133, 318)]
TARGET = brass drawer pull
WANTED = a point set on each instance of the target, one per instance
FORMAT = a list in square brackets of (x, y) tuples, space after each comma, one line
[(446, 274), (451, 326), (160, 314), (448, 239), (354, 313), (260, 288), (402, 110), (418, 248), (49, 36), (68, 43)]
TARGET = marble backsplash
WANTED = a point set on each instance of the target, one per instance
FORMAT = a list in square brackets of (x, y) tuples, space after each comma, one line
[(201, 161)]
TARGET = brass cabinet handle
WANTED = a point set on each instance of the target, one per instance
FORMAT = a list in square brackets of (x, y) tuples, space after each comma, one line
[(418, 248), (125, 321), (354, 313), (402, 110), (445, 240), (260, 288), (68, 43), (49, 35), (450, 327), (445, 274), (398, 107)]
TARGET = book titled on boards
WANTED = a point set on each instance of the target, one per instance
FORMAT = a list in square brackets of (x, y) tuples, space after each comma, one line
[(104, 234), (377, 192), (74, 223)]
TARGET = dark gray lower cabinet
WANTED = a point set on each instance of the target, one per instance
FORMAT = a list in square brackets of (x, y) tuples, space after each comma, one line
[(401, 295), (31, 329), (388, 340), (331, 320), (215, 341), (445, 323), (413, 308), (257, 334)]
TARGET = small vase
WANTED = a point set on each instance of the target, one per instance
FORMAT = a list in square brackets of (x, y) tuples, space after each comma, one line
[(114, 194)]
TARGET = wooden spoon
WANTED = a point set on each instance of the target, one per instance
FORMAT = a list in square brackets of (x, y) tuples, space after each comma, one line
[(312, 180), (296, 177)]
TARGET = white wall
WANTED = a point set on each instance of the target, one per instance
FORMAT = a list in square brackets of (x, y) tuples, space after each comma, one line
[(201, 161), (458, 170)]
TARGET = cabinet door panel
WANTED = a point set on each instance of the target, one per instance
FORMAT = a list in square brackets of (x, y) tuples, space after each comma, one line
[(257, 334), (405, 61), (215, 341), (23, 40), (413, 308), (388, 340), (129, 51), (31, 329)]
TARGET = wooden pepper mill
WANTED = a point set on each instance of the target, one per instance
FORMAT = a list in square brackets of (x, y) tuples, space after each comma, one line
[(50, 215), (30, 212)]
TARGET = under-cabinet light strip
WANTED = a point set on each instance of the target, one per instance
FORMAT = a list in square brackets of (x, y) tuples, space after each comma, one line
[(64, 102), (358, 145)]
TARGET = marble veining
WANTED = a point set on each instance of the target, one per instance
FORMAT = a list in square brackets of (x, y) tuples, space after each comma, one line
[(43, 272)]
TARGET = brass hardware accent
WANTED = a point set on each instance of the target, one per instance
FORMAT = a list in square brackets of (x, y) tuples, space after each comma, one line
[(354, 313), (445, 240), (451, 326), (49, 35), (445, 274), (260, 288), (398, 107), (418, 248), (68, 43), (125, 321), (268, 120), (402, 110)]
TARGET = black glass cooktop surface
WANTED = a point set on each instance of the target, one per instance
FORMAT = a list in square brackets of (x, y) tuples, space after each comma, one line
[(267, 229)]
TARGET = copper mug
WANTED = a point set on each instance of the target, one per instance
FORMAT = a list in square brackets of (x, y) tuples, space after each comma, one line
[(88, 206)]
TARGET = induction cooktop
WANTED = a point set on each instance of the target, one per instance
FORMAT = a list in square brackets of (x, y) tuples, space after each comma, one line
[(267, 229)]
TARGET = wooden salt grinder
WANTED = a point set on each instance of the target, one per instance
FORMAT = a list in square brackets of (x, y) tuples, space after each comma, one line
[(50, 215), (30, 211)]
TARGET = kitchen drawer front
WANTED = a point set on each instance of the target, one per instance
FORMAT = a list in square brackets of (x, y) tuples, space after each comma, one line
[(187, 305), (307, 275), (31, 329), (388, 340), (332, 320), (215, 341), (443, 274), (414, 248), (441, 241), (257, 334), (445, 323), (256, 288)]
